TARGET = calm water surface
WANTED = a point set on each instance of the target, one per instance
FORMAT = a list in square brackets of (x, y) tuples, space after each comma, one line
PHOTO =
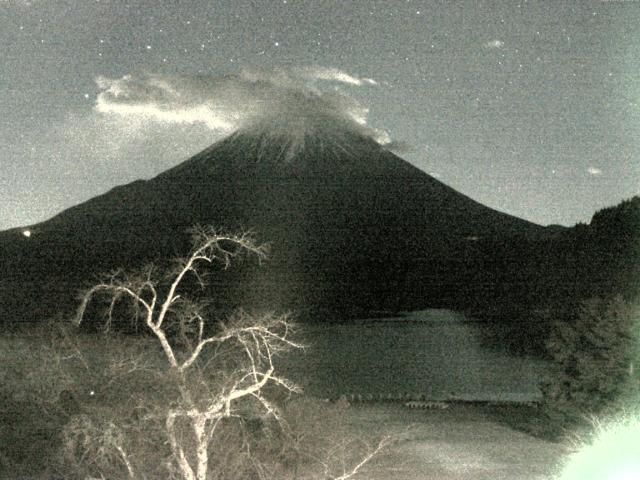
[(437, 353)]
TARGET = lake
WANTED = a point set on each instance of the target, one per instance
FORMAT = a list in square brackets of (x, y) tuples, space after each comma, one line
[(435, 353)]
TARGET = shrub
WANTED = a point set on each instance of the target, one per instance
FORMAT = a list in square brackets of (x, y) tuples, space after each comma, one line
[(594, 348)]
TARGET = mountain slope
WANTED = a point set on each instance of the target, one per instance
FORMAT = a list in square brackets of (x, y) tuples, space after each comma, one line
[(347, 221)]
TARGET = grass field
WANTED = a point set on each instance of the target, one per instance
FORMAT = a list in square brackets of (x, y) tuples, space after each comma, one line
[(462, 442)]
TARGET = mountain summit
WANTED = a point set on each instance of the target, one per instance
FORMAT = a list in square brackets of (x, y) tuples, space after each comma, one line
[(351, 225)]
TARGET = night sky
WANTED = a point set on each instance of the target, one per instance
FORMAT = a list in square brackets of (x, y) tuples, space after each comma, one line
[(532, 108)]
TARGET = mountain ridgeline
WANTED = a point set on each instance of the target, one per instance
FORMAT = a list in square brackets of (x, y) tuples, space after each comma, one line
[(352, 229)]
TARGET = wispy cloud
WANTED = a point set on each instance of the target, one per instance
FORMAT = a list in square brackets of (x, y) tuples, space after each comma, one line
[(494, 44), (333, 74), (291, 101)]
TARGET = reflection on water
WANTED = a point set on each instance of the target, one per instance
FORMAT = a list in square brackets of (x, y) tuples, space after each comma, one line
[(433, 352)]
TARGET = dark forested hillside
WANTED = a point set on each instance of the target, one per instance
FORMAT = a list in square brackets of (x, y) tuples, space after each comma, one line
[(352, 228), (529, 283)]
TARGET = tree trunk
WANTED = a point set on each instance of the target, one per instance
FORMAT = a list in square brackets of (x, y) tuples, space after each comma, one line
[(199, 424)]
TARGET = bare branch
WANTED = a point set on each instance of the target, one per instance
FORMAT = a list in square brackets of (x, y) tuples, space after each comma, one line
[(251, 341), (208, 247), (177, 449), (113, 289), (367, 458), (264, 329)]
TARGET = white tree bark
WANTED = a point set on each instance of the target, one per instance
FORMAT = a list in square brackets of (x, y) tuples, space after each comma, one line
[(256, 340)]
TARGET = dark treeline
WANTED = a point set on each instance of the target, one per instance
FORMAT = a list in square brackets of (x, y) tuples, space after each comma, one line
[(527, 284)]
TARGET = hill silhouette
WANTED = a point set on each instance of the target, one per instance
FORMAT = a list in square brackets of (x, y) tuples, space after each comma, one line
[(353, 228)]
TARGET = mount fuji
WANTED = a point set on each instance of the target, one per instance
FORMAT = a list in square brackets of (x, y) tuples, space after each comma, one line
[(352, 228)]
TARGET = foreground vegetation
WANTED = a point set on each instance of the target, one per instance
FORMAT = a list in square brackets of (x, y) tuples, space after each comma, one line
[(189, 400), (69, 399), (595, 347)]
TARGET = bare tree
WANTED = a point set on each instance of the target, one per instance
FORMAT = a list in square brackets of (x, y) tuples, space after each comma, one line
[(258, 338), (216, 368)]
